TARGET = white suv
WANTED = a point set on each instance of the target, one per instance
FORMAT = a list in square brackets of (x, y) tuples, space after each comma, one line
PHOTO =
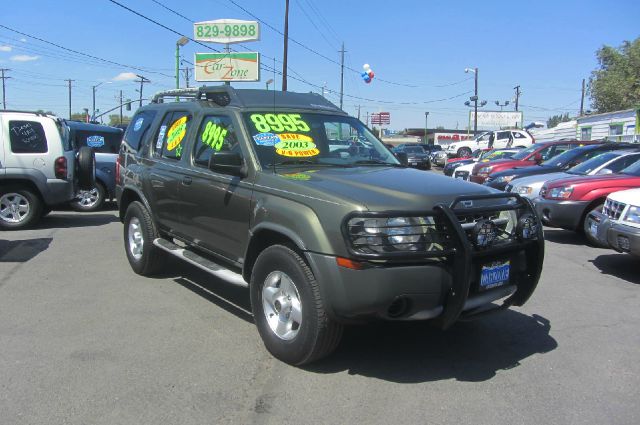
[(501, 139), (39, 168), (618, 225)]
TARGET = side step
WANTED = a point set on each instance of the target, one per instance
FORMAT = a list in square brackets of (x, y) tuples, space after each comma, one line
[(201, 262)]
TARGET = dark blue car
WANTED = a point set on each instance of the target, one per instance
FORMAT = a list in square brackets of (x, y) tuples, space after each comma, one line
[(105, 142)]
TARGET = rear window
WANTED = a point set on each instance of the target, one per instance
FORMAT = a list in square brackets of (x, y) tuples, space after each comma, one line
[(138, 127), (99, 141), (27, 137)]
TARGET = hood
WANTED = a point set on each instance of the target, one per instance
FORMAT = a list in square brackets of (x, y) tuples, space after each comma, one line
[(599, 180), (374, 188), (526, 171), (629, 196), (539, 179)]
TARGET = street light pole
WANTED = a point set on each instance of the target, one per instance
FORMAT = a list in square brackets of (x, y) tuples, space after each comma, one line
[(426, 117), (93, 90), (269, 81), (181, 42), (475, 105)]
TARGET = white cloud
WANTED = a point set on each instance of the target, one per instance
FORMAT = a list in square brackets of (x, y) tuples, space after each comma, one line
[(5, 48), (24, 58), (125, 76), (24, 40)]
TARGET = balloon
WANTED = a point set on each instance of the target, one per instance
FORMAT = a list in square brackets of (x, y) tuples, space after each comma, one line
[(366, 66), (371, 74), (368, 74)]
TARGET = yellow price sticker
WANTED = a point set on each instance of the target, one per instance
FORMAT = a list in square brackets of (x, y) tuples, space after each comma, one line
[(176, 133)]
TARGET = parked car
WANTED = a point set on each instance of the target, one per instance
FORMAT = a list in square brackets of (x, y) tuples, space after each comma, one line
[(39, 167), (463, 171), (529, 157), (566, 203), (242, 184), (605, 163), (562, 162), (416, 156), (493, 140), (439, 158), (453, 163), (105, 142), (617, 226)]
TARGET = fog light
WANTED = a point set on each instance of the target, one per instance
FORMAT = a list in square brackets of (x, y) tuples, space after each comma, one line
[(527, 227), (485, 232)]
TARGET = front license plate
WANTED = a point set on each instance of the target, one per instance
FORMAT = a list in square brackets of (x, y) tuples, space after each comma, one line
[(414, 163), (495, 274)]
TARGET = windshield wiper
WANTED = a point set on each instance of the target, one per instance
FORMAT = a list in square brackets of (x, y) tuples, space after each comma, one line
[(376, 162)]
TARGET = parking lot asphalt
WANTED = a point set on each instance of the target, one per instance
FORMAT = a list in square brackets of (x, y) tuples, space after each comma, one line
[(84, 340)]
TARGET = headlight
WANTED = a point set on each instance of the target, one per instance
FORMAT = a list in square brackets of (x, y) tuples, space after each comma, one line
[(504, 179), (484, 233), (561, 192), (633, 215), (485, 170), (451, 147), (394, 234), (527, 227), (524, 190)]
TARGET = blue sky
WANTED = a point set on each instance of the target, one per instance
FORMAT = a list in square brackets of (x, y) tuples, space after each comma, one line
[(418, 50)]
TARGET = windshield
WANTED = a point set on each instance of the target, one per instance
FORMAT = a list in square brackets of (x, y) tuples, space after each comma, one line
[(633, 169), (413, 149), (564, 158), (320, 139), (528, 151), (595, 162)]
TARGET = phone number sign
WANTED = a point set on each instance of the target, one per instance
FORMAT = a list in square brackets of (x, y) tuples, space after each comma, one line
[(226, 31), (243, 66)]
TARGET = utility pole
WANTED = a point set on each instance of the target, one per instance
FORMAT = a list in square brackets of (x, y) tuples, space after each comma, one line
[(582, 99), (426, 118), (120, 106), (4, 87), (341, 74), (367, 122), (186, 72), (142, 80), (475, 103), (517, 89), (286, 45), (358, 112), (69, 81)]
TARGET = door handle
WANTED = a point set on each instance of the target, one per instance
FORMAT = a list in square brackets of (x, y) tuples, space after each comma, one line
[(186, 181)]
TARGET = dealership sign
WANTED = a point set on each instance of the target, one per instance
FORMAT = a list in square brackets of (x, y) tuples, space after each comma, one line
[(447, 138), (381, 118), (497, 118), (226, 31), (243, 66)]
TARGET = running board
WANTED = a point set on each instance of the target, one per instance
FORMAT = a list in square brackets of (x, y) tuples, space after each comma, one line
[(201, 262)]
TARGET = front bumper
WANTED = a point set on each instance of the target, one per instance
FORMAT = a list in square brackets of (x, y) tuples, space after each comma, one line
[(445, 288), (618, 236), (563, 214), (423, 163)]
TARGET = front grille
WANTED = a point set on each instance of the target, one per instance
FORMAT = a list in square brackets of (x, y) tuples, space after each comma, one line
[(505, 220), (613, 209)]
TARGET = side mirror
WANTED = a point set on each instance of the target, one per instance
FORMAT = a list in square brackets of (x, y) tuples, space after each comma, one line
[(538, 158), (605, 171), (402, 157), (227, 163)]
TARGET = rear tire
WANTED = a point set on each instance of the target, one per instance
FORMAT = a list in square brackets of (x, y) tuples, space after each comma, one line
[(90, 200), (592, 241), (19, 208), (288, 309), (464, 152), (139, 232), (86, 169)]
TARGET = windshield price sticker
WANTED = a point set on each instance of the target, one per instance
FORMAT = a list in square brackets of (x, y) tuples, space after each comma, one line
[(277, 123), (266, 139), (296, 145), (213, 136), (176, 133)]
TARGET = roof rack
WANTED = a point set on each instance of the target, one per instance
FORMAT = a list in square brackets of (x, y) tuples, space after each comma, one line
[(190, 92)]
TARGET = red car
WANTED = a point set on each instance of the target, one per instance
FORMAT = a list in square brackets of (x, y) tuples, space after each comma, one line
[(566, 202), (528, 157)]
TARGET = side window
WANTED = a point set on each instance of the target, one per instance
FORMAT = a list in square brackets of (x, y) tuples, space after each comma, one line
[(502, 135), (138, 128), (171, 134), (27, 137), (546, 153), (558, 149), (216, 134), (517, 135)]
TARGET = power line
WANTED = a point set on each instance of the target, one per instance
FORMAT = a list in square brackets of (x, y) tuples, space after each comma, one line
[(81, 53)]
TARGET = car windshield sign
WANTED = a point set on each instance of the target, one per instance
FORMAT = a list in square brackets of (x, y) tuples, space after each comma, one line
[(283, 138)]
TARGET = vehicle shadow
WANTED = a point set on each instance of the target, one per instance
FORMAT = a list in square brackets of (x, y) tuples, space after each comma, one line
[(413, 352), (23, 250), (63, 220), (622, 266), (565, 237)]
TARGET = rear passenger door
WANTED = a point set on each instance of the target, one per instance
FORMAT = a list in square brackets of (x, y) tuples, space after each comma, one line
[(166, 169), (502, 138), (214, 207)]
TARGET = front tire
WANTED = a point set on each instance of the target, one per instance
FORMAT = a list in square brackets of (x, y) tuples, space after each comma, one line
[(139, 233), (19, 208), (90, 200), (288, 309), (464, 152)]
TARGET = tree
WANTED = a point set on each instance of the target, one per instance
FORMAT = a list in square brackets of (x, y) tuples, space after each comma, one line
[(557, 119), (42, 111), (114, 119), (79, 116), (615, 85)]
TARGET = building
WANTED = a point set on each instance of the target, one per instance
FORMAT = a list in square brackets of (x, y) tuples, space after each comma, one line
[(564, 130), (440, 136), (619, 126)]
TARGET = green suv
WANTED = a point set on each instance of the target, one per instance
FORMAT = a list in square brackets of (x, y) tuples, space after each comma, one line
[(288, 195)]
